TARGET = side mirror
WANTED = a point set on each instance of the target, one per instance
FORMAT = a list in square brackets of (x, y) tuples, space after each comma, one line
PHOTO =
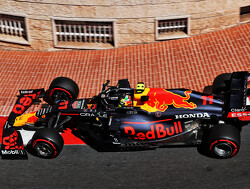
[(144, 98), (105, 84)]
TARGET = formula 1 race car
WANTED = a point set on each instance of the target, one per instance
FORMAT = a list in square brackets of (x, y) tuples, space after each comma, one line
[(122, 118)]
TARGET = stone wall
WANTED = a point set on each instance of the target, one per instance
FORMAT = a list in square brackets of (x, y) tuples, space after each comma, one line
[(135, 19)]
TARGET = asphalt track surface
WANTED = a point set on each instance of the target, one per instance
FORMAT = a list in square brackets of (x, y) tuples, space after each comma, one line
[(82, 167)]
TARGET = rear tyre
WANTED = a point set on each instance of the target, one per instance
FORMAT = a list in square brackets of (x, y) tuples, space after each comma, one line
[(46, 143), (62, 88), (223, 141), (220, 83)]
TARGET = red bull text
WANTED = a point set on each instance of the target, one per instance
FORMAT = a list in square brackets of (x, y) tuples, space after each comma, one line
[(157, 131)]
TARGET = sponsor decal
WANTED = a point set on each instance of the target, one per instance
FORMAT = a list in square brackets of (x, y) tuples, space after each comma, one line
[(91, 106), (13, 152), (157, 131), (243, 116), (243, 109), (132, 112), (77, 104), (87, 114), (196, 115), (26, 91), (207, 99), (24, 102), (161, 99), (238, 114), (158, 114)]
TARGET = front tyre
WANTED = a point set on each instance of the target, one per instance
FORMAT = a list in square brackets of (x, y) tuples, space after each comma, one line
[(47, 143), (223, 141)]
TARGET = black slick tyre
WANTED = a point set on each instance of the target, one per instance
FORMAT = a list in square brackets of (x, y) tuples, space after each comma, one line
[(47, 143), (62, 88)]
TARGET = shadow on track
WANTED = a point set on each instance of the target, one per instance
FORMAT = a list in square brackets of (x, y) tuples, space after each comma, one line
[(82, 167)]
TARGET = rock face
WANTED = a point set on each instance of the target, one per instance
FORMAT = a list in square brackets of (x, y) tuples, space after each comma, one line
[(133, 21)]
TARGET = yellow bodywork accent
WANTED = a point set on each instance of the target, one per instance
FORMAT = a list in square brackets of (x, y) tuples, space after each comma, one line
[(23, 119), (137, 97)]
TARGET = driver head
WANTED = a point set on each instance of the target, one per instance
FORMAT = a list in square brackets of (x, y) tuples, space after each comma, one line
[(140, 87)]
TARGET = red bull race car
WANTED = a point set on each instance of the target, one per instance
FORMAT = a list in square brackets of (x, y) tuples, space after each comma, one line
[(122, 118)]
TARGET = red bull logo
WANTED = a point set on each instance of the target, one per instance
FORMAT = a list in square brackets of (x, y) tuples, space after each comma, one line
[(161, 99)]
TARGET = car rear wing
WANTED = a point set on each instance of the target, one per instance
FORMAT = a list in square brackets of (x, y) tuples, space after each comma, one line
[(238, 90), (248, 92), (238, 98)]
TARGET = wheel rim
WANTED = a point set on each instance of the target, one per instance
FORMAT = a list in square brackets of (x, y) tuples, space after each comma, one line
[(43, 149), (223, 149), (60, 95)]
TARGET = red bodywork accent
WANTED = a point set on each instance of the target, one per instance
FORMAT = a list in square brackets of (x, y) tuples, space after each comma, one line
[(68, 114), (63, 105), (244, 118), (32, 119)]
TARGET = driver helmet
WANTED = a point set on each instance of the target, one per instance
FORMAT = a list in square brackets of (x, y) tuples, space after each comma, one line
[(125, 101), (140, 87)]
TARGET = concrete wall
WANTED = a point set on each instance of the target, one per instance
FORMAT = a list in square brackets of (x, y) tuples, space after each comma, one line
[(135, 19)]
